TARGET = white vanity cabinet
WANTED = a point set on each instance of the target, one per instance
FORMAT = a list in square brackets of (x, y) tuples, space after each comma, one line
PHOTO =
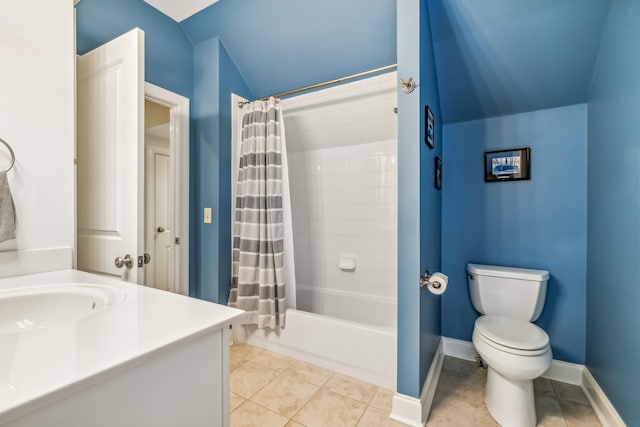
[(152, 359)]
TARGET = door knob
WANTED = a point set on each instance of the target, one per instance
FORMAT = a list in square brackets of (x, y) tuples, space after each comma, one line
[(160, 229), (127, 261)]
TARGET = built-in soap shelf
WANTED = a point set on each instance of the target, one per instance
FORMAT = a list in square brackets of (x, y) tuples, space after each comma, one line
[(347, 262)]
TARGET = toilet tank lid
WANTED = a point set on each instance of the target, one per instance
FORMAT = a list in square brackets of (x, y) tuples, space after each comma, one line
[(510, 272)]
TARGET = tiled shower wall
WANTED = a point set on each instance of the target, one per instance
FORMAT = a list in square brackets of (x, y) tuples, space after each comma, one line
[(341, 145), (344, 203)]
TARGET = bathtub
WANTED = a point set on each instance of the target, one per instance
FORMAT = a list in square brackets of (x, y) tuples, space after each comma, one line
[(348, 333)]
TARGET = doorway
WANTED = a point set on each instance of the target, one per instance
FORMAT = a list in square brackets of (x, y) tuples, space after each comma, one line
[(111, 173), (159, 204), (166, 213)]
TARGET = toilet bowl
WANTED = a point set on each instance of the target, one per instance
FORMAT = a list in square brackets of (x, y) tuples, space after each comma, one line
[(515, 350), (516, 353)]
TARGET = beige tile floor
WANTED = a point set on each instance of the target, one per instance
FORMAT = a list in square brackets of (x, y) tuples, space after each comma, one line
[(271, 390), (459, 400)]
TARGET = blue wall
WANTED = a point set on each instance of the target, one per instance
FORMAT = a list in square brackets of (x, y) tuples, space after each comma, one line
[(430, 197), (613, 292), (215, 78), (409, 203), (513, 56), (309, 43), (418, 202), (168, 51), (204, 170), (539, 223), (285, 44), (230, 82)]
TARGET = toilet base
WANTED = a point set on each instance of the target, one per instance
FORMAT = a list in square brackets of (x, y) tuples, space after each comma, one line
[(510, 402)]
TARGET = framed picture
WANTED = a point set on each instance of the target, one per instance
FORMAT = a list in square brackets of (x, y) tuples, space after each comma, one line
[(429, 127), (507, 165), (437, 173)]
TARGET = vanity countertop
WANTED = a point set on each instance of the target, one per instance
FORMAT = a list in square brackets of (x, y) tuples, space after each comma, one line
[(40, 366)]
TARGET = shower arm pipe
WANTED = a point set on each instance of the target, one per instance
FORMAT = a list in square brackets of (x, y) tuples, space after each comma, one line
[(323, 84)]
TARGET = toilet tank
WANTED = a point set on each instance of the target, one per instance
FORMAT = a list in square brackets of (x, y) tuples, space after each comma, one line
[(507, 291)]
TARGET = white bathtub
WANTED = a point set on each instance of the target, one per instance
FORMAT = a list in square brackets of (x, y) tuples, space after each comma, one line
[(350, 306), (366, 351)]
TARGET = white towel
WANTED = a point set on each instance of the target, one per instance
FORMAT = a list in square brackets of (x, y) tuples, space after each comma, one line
[(7, 210)]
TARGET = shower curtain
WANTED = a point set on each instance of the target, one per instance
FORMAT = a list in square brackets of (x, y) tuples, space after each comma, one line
[(263, 278)]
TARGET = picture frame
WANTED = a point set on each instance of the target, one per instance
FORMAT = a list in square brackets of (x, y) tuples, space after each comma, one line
[(507, 165), (437, 173), (429, 127)]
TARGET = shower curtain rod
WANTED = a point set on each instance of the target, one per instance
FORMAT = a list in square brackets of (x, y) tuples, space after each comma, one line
[(329, 83)]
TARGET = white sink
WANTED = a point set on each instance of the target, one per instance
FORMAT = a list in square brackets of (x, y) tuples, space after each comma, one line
[(26, 308)]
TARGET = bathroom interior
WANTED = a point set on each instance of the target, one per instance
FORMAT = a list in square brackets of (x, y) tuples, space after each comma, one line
[(363, 343)]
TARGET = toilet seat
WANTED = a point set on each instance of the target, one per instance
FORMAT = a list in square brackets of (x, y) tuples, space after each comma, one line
[(512, 336)]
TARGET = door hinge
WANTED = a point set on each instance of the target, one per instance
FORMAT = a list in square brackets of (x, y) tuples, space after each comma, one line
[(177, 240)]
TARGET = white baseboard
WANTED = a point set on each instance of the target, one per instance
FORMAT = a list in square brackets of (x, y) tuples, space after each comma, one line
[(458, 348), (413, 411), (603, 408), (18, 263), (565, 372), (407, 410), (431, 382)]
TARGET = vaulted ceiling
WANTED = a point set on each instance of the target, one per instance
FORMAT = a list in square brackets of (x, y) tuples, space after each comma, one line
[(280, 45), (497, 57), (493, 57)]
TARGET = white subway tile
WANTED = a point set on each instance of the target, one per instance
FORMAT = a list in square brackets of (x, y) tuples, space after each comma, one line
[(338, 166), (339, 227), (369, 163), (344, 200), (361, 228)]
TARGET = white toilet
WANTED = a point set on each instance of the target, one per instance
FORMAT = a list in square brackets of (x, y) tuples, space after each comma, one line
[(516, 350)]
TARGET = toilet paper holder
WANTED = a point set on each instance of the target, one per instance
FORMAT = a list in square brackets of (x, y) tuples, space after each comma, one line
[(425, 280)]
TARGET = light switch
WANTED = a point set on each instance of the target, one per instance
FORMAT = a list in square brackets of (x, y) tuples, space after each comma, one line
[(207, 215)]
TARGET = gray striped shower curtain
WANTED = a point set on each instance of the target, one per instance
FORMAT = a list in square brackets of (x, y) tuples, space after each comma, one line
[(258, 234)]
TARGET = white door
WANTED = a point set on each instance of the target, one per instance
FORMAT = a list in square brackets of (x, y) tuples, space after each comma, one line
[(110, 157), (159, 273)]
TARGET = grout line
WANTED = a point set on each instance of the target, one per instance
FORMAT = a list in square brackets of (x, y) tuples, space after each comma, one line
[(305, 404), (257, 391), (239, 406), (276, 377), (362, 415), (367, 405), (552, 393), (373, 395), (268, 409)]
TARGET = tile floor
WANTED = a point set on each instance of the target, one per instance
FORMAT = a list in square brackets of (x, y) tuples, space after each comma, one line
[(459, 400), (271, 390)]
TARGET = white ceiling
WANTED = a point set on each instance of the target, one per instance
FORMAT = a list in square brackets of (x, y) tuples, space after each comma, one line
[(180, 10)]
